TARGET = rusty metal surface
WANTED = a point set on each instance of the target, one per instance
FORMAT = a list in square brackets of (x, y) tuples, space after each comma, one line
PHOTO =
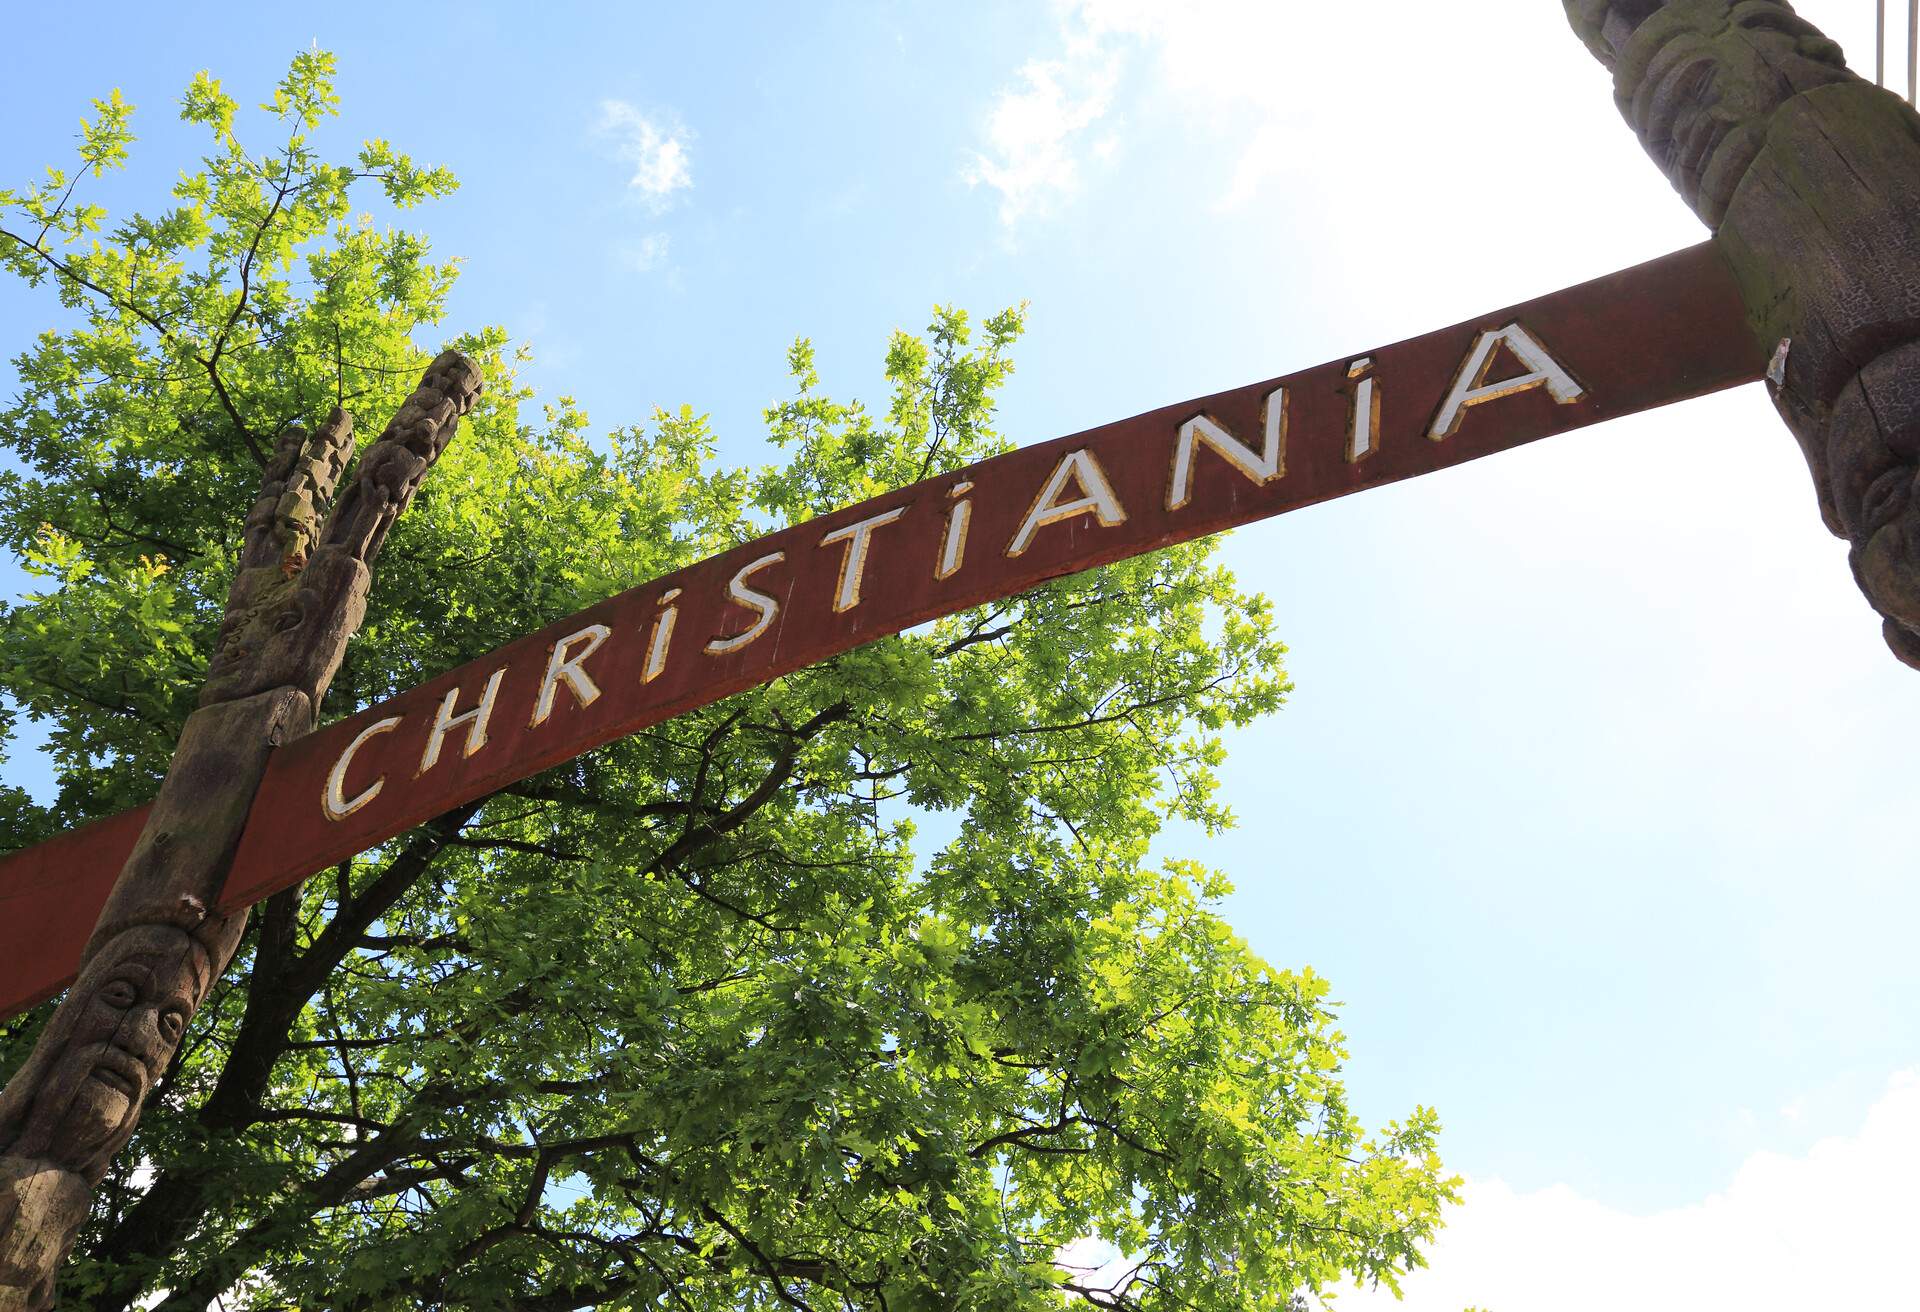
[(1656, 333)]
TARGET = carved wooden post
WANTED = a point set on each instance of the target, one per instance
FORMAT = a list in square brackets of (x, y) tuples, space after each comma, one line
[(1810, 178), (298, 596)]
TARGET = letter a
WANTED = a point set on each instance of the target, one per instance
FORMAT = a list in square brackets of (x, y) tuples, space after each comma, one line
[(1470, 385), (1097, 499)]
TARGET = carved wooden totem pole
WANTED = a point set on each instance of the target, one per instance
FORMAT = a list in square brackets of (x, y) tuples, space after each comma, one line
[(1809, 177), (298, 596)]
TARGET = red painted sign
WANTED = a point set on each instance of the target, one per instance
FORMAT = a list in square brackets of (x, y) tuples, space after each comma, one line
[(1660, 332)]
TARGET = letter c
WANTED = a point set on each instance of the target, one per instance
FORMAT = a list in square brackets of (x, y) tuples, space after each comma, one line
[(333, 799)]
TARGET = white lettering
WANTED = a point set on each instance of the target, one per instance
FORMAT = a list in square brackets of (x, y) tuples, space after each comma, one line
[(953, 540), (1096, 498), (1262, 467), (333, 799), (444, 721), (1366, 411), (1470, 385), (563, 666), (662, 636), (853, 561), (759, 602)]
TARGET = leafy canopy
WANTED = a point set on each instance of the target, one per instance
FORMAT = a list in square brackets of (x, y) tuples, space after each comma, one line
[(856, 990)]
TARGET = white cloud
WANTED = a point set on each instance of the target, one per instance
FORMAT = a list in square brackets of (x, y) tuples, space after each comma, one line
[(1241, 69), (657, 151), (1215, 59), (642, 254), (1038, 128), (1824, 1229), (1263, 93)]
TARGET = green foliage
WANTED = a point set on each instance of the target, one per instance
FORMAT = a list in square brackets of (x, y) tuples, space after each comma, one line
[(697, 1021)]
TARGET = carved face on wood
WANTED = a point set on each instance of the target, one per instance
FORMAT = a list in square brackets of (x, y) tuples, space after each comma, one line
[(1698, 83), (98, 1066), (295, 637)]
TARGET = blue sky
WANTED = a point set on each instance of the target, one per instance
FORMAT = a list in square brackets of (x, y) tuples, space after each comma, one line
[(1592, 795)]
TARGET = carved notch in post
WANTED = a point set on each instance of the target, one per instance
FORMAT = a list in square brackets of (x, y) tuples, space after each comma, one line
[(1810, 178), (297, 597)]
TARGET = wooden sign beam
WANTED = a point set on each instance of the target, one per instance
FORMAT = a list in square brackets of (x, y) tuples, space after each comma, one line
[(1656, 333)]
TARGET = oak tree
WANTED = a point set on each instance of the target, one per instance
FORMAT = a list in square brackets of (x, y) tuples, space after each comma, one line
[(860, 989)]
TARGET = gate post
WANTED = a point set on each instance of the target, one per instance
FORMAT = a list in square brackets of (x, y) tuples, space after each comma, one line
[(298, 596), (1809, 177)]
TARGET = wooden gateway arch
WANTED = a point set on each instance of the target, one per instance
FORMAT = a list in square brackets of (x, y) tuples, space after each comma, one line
[(1808, 176)]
